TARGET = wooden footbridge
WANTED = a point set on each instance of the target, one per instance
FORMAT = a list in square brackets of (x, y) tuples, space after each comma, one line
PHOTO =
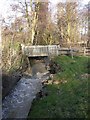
[(46, 50), (40, 50)]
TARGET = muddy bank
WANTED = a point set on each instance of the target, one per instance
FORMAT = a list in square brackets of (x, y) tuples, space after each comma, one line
[(8, 82)]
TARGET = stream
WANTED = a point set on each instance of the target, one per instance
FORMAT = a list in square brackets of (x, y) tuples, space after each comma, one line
[(18, 103)]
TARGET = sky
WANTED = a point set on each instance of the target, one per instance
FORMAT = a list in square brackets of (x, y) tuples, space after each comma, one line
[(5, 6)]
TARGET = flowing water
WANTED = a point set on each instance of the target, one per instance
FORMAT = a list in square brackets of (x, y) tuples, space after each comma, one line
[(18, 103)]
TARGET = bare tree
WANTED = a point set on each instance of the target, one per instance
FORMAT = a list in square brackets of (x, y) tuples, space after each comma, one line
[(67, 21)]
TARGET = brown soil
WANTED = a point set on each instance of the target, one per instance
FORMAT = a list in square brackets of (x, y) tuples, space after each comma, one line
[(8, 82)]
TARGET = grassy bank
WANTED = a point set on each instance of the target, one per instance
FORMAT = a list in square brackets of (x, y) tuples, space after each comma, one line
[(68, 98)]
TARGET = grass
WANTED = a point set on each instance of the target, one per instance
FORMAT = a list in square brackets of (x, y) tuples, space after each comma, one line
[(65, 100)]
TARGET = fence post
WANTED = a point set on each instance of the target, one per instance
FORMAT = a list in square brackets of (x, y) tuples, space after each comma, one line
[(58, 48), (84, 51), (71, 52)]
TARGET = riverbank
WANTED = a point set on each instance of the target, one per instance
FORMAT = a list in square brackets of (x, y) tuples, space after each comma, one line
[(68, 93), (9, 81)]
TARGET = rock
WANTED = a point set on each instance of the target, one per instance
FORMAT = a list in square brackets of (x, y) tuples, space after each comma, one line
[(85, 76), (54, 67), (56, 82)]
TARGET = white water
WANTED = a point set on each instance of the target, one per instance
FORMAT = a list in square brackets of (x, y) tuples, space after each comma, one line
[(18, 103)]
